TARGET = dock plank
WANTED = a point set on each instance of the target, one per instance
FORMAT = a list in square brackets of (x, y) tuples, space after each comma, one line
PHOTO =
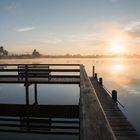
[(93, 123), (41, 80), (121, 127)]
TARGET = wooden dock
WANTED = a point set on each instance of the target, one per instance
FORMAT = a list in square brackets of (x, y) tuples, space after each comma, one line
[(121, 127), (97, 116), (93, 122)]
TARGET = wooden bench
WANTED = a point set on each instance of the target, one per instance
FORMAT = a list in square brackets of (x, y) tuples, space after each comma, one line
[(33, 71)]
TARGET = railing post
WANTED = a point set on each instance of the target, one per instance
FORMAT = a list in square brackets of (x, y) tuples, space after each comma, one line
[(95, 76), (81, 74), (114, 96), (93, 72), (49, 73), (26, 85), (101, 81), (18, 72), (35, 87)]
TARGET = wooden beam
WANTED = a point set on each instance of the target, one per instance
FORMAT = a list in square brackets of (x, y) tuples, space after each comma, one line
[(53, 111), (93, 122), (40, 132), (35, 93), (54, 80), (41, 64), (41, 70)]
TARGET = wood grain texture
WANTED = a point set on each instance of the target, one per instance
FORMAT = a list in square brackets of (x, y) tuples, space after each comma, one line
[(121, 127), (93, 123)]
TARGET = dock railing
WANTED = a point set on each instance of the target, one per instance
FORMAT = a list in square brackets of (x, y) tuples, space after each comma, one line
[(112, 94), (29, 72)]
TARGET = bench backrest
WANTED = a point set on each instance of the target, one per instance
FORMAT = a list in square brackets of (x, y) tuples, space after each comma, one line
[(33, 70)]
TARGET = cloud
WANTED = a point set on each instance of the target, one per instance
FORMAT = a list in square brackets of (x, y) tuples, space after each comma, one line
[(133, 29), (48, 40), (114, 1), (10, 7), (135, 25), (25, 29), (80, 37), (51, 41)]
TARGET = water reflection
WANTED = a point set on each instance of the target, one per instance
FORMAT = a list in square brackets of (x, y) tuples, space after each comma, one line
[(120, 74), (117, 68)]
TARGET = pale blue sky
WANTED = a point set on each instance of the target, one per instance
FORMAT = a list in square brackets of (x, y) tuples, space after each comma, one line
[(69, 26)]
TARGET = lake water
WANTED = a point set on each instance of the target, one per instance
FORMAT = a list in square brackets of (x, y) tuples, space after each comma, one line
[(122, 75)]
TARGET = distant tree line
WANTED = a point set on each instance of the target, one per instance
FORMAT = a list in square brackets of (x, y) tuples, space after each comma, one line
[(96, 56), (35, 54), (5, 54)]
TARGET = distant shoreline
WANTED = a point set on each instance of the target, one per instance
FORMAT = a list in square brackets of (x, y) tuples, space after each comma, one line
[(71, 57)]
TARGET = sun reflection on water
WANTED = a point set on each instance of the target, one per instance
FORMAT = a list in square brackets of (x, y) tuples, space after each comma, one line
[(117, 68), (119, 74)]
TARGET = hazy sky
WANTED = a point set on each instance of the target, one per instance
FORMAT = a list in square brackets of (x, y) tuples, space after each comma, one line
[(70, 26)]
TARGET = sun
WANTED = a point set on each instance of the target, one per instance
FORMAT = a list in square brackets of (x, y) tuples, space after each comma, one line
[(117, 47)]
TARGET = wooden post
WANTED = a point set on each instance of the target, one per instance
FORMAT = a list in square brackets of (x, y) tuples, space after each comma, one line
[(95, 76), (35, 87), (26, 85), (27, 95), (114, 96), (50, 123), (49, 73), (18, 72), (101, 81), (93, 72)]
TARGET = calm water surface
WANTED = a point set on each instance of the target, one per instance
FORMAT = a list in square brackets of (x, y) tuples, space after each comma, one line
[(120, 74)]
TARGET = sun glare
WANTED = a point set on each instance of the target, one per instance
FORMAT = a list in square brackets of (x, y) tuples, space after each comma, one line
[(117, 68), (117, 47)]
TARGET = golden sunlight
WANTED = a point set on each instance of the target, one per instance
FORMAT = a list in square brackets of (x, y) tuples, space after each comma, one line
[(117, 47), (118, 41), (117, 71), (117, 68)]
